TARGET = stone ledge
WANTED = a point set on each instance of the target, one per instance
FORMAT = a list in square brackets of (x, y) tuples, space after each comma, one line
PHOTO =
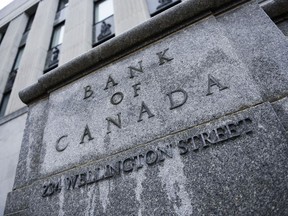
[(157, 27), (13, 115)]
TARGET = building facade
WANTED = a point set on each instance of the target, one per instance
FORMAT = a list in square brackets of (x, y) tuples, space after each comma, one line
[(37, 36)]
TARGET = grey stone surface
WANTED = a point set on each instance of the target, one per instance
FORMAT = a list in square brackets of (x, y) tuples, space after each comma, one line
[(219, 149), (17, 201), (242, 175), (281, 108), (29, 158), (263, 48), (192, 64)]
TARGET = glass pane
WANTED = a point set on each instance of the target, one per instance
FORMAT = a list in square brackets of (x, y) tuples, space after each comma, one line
[(57, 37), (1, 37), (30, 21), (103, 10), (4, 103), (18, 58), (160, 5), (62, 4)]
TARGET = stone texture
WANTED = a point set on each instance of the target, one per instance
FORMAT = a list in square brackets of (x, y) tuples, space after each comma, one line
[(192, 63), (17, 201), (238, 165), (29, 158), (245, 175), (263, 48), (281, 108)]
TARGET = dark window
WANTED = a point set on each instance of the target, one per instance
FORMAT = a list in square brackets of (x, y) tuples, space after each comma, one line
[(1, 37), (2, 34), (18, 59), (103, 28), (27, 29), (62, 4), (10, 82), (55, 46), (157, 6), (29, 23), (4, 103)]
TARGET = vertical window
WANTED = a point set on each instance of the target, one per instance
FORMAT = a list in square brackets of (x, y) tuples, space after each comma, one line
[(1, 37), (18, 58), (61, 12), (62, 4), (29, 24), (27, 29), (4, 103), (57, 36), (53, 53), (55, 47), (103, 28), (2, 34), (10, 82), (157, 6)]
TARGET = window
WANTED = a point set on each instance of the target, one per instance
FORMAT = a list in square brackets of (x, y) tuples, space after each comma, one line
[(55, 46), (53, 53), (18, 58), (62, 4), (2, 34), (10, 82), (61, 12), (1, 37), (4, 103), (103, 28), (57, 36), (29, 23), (157, 6), (27, 29)]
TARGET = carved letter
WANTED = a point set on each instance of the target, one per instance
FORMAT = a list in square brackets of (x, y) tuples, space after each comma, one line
[(140, 69), (165, 151), (110, 80), (71, 182), (86, 133), (144, 109), (88, 92), (163, 58), (136, 88), (82, 180), (183, 146), (151, 157), (115, 122), (117, 98), (58, 147), (213, 81), (128, 164), (172, 102)]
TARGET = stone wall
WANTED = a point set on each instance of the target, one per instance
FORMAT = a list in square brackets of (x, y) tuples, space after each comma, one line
[(186, 114)]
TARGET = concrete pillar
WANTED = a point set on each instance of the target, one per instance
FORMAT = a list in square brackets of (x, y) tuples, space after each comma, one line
[(78, 30), (128, 14), (9, 48), (33, 60)]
